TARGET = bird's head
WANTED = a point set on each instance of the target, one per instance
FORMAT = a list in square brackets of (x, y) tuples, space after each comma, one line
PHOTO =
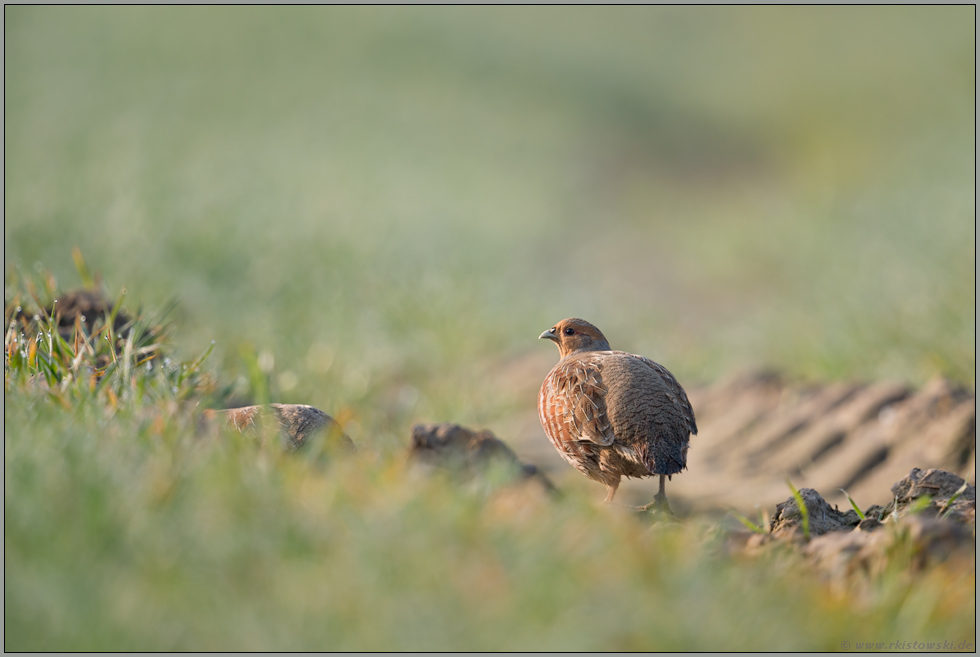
[(572, 335)]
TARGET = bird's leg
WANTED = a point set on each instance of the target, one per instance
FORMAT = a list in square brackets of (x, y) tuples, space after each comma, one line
[(611, 491), (660, 501)]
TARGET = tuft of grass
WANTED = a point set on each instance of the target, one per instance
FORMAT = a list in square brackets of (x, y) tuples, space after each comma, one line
[(96, 361)]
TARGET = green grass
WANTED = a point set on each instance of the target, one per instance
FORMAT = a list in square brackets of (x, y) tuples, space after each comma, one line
[(128, 528), (368, 210), (410, 187), (853, 504), (803, 509)]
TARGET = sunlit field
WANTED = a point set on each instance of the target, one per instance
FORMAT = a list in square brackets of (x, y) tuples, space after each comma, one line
[(376, 211)]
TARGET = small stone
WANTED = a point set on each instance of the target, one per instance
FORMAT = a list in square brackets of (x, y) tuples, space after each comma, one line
[(868, 524)]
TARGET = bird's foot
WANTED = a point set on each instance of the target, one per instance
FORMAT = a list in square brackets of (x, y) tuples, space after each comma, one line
[(658, 506)]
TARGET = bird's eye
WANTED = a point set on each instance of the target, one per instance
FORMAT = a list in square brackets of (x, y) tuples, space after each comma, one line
[(569, 331)]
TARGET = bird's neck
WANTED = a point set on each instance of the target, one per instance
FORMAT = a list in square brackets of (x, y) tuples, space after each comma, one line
[(595, 345)]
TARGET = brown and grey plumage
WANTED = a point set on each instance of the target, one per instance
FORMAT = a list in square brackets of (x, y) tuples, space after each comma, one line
[(613, 414)]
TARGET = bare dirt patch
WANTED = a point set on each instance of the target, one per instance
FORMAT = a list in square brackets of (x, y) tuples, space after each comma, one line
[(756, 430)]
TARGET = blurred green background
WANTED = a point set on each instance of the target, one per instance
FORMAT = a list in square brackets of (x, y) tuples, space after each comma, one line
[(388, 205), (407, 191)]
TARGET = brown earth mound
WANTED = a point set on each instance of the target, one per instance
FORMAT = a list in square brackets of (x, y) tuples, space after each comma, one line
[(298, 424), (468, 452), (757, 431), (87, 308), (931, 520)]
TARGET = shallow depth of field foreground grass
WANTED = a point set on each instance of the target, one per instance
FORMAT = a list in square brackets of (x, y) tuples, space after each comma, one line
[(124, 531), (376, 211)]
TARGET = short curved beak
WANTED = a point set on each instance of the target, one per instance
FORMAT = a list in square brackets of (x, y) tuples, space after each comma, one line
[(549, 335)]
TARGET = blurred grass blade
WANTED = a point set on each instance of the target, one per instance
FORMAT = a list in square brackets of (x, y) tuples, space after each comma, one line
[(801, 505), (853, 504), (758, 529), (949, 503), (920, 503), (88, 281), (256, 377), (111, 322)]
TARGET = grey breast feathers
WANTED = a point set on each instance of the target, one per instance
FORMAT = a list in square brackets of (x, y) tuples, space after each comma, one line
[(649, 410)]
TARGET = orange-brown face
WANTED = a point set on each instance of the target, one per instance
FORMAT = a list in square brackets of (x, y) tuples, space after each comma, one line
[(575, 334)]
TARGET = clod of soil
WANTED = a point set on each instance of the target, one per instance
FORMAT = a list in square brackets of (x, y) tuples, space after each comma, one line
[(468, 452), (931, 494), (298, 423), (89, 307), (79, 313), (89, 304), (823, 518), (926, 541), (948, 496), (932, 518)]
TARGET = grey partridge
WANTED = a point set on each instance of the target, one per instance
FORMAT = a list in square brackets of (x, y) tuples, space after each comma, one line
[(613, 414)]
